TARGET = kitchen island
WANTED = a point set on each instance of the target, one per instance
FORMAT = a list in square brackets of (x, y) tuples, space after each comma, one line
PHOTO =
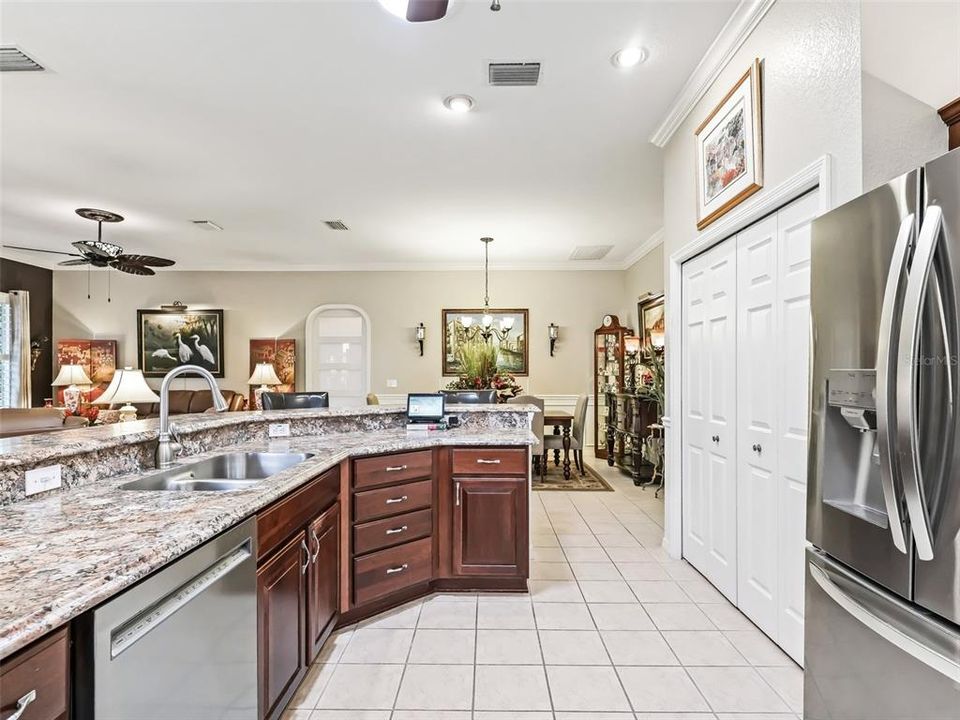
[(71, 550)]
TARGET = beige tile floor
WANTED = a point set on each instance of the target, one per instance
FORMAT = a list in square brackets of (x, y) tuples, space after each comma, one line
[(612, 629)]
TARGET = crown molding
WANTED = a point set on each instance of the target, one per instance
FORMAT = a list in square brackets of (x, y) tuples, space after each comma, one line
[(734, 33), (652, 243)]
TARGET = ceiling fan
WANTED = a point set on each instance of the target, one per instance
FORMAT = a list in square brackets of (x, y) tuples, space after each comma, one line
[(100, 254)]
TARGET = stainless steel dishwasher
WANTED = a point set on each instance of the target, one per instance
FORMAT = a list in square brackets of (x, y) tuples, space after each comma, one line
[(181, 644)]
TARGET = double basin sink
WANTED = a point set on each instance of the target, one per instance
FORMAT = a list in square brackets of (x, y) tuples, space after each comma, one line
[(230, 471)]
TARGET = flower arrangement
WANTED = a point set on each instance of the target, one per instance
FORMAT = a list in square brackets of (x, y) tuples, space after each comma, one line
[(478, 371), (652, 379)]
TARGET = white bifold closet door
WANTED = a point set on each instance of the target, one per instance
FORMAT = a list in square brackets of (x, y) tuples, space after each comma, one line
[(745, 360), (709, 412)]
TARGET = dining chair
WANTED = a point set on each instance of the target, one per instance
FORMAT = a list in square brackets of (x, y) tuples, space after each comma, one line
[(294, 400), (555, 442), (470, 397), (372, 399), (536, 427)]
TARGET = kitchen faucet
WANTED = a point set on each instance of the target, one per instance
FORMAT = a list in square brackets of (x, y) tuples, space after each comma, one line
[(169, 446)]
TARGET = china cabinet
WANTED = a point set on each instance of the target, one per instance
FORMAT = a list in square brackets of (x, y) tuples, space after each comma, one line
[(608, 374)]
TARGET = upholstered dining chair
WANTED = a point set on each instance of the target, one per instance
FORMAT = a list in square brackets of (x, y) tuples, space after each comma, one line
[(555, 442), (536, 427), (372, 399), (470, 397), (294, 400)]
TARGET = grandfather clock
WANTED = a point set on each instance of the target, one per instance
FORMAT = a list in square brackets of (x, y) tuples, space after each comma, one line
[(608, 374)]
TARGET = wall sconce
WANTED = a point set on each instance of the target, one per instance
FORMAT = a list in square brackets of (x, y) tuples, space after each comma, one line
[(421, 336), (554, 331)]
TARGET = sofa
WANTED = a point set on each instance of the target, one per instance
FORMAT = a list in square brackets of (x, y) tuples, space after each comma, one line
[(190, 401), (15, 422)]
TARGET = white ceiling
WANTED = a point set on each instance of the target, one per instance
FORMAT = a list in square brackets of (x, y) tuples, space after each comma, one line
[(269, 118)]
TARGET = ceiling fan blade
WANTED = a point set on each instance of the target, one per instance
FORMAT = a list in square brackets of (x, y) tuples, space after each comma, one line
[(72, 263), (426, 10), (131, 267), (150, 260), (52, 252)]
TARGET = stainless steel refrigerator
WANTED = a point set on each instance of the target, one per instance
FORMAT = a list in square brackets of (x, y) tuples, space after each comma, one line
[(882, 627)]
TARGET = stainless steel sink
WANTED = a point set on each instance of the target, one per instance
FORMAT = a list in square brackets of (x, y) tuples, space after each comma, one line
[(231, 471)]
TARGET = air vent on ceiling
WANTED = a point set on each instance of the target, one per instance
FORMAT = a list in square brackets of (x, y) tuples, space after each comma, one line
[(207, 224), (515, 74), (12, 58), (336, 224), (590, 252)]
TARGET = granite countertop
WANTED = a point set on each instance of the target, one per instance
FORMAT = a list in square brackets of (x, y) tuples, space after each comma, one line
[(63, 554)]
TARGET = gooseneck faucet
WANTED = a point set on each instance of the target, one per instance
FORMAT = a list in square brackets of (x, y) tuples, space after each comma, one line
[(169, 446)]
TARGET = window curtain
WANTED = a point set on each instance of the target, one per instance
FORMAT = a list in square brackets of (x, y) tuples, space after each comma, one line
[(19, 349)]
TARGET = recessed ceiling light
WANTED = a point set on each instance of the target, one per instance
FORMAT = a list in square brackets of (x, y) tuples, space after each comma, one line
[(628, 57), (459, 103)]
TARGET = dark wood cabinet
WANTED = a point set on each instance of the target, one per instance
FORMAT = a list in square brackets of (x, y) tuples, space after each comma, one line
[(490, 526), (323, 578), (281, 625), (36, 679)]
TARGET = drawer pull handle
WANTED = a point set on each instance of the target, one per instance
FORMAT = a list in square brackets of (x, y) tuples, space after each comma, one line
[(394, 531), (396, 468), (391, 571), (391, 501), (23, 702), (482, 461)]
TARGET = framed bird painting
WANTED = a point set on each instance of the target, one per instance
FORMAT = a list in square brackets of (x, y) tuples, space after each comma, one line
[(167, 339)]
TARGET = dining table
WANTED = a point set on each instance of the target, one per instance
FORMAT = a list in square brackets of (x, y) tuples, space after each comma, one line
[(562, 422)]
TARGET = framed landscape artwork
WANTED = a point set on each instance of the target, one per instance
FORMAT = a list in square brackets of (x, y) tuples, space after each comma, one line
[(652, 326), (508, 333), (98, 358), (166, 340), (730, 149), (282, 353)]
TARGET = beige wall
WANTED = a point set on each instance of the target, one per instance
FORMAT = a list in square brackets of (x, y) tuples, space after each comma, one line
[(644, 276), (811, 107), (271, 304)]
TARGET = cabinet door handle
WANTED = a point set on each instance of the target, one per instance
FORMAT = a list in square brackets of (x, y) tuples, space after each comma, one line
[(458, 493), (22, 704), (396, 468), (391, 501), (316, 554), (757, 448), (482, 461), (391, 571), (394, 531), (306, 550)]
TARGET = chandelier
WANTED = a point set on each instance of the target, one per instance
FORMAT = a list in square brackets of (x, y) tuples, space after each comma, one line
[(486, 329)]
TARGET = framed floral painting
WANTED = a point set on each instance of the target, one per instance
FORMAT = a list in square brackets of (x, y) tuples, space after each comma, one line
[(97, 357), (282, 354), (730, 149)]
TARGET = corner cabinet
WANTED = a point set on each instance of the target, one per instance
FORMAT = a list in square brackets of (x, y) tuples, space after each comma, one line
[(490, 513), (298, 581), (608, 374)]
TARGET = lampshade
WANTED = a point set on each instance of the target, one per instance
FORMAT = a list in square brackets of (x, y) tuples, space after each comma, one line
[(631, 344), (71, 375), (264, 374), (127, 386)]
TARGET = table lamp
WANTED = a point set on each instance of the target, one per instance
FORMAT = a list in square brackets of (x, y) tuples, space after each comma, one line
[(128, 386), (71, 376), (263, 375)]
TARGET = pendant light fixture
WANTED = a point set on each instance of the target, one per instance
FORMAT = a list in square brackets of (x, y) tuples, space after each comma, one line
[(486, 330)]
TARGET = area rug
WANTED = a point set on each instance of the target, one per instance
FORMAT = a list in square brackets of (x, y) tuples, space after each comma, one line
[(554, 480)]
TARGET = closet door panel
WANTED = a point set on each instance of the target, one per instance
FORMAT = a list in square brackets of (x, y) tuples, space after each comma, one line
[(695, 363), (793, 309), (757, 400), (721, 419)]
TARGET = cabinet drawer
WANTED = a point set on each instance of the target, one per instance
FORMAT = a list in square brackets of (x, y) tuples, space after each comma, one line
[(41, 669), (292, 513), (387, 571), (370, 472), (385, 533), (393, 500), (490, 461)]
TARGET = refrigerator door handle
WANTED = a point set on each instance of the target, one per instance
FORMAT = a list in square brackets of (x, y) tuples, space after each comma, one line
[(886, 364), (928, 656), (907, 357)]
